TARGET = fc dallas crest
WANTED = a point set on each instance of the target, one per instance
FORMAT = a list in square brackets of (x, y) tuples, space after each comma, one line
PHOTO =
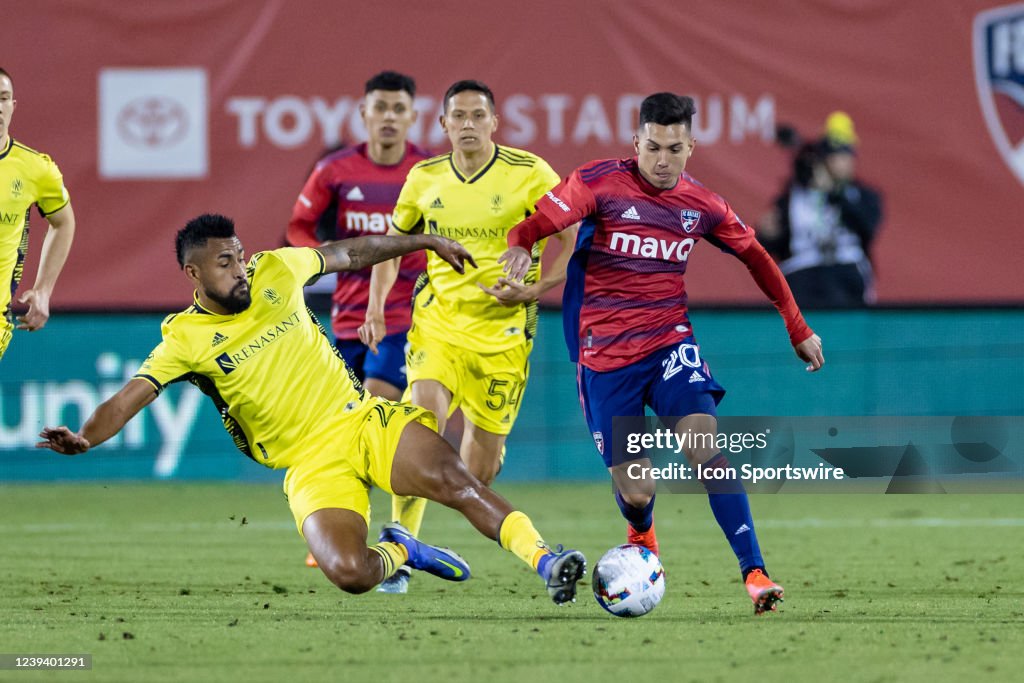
[(999, 74)]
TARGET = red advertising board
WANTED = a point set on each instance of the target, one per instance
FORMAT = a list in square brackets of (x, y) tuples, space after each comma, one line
[(159, 111)]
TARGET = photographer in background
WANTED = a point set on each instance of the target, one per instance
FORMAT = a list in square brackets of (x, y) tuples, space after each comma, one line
[(821, 227)]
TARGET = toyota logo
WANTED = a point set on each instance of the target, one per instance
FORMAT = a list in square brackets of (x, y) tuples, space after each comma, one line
[(152, 122)]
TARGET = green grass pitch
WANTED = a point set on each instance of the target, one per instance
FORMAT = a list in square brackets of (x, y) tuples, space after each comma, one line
[(205, 582)]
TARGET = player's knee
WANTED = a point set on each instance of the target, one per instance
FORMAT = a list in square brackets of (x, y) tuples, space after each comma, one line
[(348, 574), (699, 456), (457, 484), (485, 472), (637, 498)]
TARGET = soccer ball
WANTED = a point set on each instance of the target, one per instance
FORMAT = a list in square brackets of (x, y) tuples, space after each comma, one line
[(629, 581)]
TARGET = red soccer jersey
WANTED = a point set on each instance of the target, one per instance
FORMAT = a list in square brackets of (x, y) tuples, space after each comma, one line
[(365, 193), (625, 295)]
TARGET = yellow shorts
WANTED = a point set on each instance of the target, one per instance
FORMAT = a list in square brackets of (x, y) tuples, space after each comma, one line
[(6, 331), (487, 386), (328, 478)]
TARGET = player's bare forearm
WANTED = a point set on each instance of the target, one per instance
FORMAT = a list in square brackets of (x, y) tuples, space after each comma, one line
[(555, 274), (382, 279), (114, 413), (56, 247), (108, 419), (55, 252), (362, 252)]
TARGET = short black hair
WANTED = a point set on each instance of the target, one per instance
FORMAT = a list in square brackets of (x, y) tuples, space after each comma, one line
[(200, 229), (463, 86), (391, 81), (5, 72), (666, 109)]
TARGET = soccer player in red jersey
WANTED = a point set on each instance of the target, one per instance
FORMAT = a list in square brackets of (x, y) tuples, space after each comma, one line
[(625, 314), (364, 182)]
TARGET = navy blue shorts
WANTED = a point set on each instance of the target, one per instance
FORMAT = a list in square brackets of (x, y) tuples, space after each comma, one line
[(387, 365), (674, 381)]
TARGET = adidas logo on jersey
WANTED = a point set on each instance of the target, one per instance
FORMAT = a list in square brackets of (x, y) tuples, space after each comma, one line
[(631, 214), (436, 204), (355, 195), (218, 338), (696, 377)]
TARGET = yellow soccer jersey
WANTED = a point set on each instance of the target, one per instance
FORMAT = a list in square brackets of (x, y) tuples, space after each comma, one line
[(477, 211), (27, 177), (275, 377)]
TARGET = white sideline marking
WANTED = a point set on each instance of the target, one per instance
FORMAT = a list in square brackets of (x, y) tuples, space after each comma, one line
[(938, 522), (805, 523)]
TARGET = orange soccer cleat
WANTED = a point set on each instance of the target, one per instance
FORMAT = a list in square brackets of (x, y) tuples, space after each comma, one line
[(311, 561), (765, 593), (647, 539)]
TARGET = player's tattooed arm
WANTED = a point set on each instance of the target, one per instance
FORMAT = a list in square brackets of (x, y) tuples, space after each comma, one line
[(362, 252)]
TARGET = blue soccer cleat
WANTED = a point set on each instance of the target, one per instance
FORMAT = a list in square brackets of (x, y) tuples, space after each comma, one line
[(561, 569), (397, 582), (440, 562)]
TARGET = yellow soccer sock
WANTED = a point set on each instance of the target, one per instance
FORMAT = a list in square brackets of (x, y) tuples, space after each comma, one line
[(392, 556), (408, 511), (518, 536)]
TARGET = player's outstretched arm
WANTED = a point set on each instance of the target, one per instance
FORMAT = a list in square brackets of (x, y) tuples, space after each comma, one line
[(772, 282), (362, 252), (55, 252), (112, 415)]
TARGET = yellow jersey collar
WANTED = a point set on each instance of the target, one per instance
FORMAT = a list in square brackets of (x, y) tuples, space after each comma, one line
[(199, 308), (479, 174)]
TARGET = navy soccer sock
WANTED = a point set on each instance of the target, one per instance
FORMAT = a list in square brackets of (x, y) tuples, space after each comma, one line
[(640, 519), (732, 511)]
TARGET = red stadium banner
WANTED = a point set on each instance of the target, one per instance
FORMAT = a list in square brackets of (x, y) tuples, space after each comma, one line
[(156, 112)]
